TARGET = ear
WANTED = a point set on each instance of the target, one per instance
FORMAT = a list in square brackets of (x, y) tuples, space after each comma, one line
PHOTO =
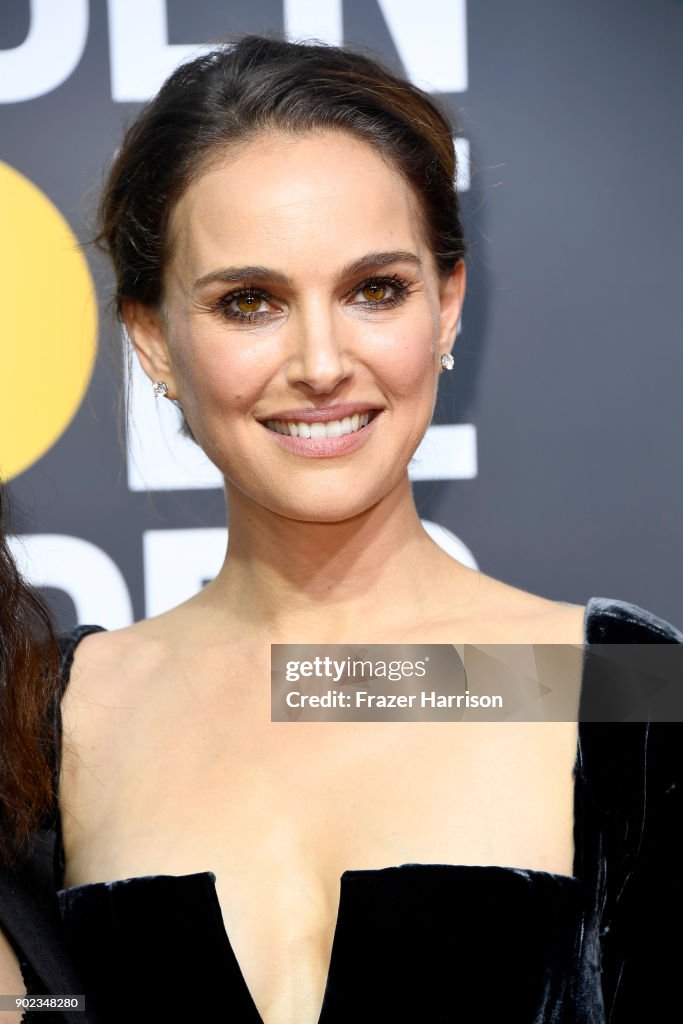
[(147, 334), (452, 297)]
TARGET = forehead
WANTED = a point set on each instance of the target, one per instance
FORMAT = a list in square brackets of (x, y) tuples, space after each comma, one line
[(303, 204)]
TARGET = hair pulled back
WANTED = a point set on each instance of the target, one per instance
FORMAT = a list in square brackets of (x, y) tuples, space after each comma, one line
[(258, 84)]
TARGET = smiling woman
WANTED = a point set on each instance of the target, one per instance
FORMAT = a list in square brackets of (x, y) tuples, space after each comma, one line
[(289, 258), (350, 318)]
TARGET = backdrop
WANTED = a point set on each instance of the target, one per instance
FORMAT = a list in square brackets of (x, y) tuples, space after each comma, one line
[(555, 455)]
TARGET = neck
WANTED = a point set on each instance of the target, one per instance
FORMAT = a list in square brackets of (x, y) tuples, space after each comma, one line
[(321, 582)]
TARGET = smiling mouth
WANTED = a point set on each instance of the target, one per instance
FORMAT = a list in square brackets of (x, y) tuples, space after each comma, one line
[(320, 430)]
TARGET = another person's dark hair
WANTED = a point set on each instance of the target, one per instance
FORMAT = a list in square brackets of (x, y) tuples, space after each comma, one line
[(256, 84), (29, 661)]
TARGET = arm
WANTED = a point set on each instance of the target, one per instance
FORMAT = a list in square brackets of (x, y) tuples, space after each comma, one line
[(11, 980)]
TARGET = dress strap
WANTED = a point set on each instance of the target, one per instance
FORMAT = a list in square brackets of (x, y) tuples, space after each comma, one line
[(67, 642)]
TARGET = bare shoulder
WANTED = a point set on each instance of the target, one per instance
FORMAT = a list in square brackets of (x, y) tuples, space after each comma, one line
[(509, 614), (114, 675), (117, 650), (540, 620), (560, 623), (112, 663)]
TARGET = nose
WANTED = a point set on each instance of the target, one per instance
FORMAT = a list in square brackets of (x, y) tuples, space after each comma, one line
[(321, 359)]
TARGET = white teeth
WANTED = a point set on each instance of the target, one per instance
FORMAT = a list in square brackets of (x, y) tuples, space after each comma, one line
[(318, 430)]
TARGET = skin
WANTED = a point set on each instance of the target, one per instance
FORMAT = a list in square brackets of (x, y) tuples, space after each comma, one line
[(317, 345), (11, 980), (171, 758)]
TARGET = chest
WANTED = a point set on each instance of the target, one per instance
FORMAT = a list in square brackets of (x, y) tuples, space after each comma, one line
[(178, 780), (160, 787)]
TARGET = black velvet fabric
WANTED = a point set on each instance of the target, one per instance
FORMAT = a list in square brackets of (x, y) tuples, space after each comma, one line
[(432, 943), (442, 943), (628, 816)]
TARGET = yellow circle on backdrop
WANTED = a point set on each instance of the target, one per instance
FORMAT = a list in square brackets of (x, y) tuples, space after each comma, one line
[(48, 323)]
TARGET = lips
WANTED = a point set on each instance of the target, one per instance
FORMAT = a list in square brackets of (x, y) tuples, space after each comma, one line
[(318, 437), (320, 413), (318, 429)]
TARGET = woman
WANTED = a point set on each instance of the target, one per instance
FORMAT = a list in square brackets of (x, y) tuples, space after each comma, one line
[(289, 259), (32, 952)]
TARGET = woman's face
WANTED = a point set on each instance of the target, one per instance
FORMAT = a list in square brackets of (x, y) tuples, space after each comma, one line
[(300, 296)]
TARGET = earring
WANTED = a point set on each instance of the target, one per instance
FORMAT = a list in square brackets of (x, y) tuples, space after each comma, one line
[(160, 388), (447, 361)]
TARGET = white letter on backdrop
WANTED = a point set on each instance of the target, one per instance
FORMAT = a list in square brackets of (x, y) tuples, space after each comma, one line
[(140, 54), (87, 574), (431, 40), (321, 20), (430, 37), (178, 563), (49, 54)]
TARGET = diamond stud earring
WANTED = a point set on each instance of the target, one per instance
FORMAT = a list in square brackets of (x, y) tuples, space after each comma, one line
[(160, 388), (447, 361)]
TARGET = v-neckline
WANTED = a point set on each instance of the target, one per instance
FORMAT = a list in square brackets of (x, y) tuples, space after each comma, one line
[(346, 879)]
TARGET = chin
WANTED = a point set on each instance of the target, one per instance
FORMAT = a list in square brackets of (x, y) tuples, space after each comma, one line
[(329, 509)]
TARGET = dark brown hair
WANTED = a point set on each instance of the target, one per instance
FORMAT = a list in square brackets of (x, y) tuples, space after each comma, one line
[(258, 84), (29, 661)]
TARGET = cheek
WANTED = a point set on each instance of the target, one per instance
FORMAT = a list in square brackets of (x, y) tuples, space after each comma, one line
[(214, 372), (409, 362)]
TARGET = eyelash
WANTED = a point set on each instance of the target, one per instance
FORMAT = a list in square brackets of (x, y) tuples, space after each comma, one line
[(399, 285)]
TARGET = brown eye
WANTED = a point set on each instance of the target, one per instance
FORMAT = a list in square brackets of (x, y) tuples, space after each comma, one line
[(374, 291), (248, 303)]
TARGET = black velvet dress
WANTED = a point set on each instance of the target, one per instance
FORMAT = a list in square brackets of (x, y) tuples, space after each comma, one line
[(441, 943)]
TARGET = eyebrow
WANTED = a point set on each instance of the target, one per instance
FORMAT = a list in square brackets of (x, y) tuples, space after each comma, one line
[(371, 260)]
